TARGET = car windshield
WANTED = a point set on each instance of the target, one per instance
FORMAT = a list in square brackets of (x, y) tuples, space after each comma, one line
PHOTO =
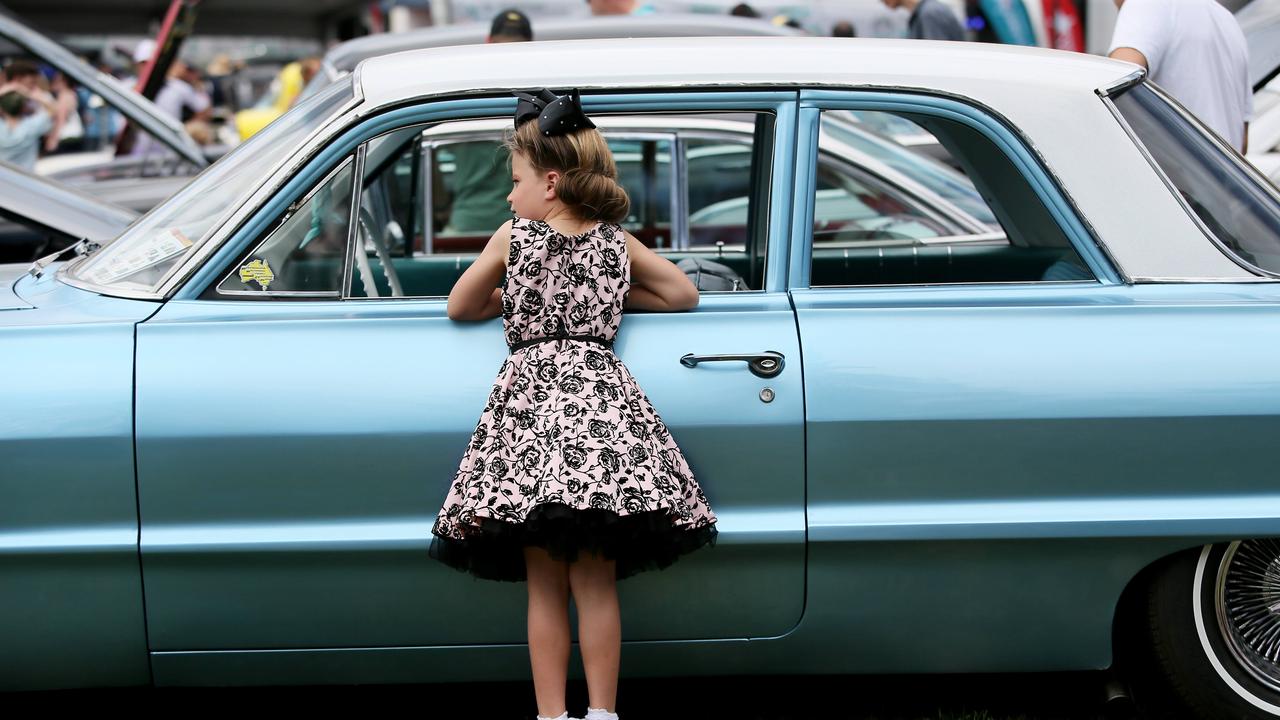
[(937, 177), (140, 258)]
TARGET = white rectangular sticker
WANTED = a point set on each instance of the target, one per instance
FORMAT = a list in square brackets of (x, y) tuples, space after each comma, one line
[(162, 246)]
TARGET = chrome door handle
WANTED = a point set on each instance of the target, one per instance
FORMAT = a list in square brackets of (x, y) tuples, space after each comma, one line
[(766, 364)]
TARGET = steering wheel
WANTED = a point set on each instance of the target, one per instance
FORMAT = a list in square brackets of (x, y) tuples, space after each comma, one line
[(365, 234)]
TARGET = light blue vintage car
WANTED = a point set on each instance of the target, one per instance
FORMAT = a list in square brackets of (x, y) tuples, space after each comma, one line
[(226, 433)]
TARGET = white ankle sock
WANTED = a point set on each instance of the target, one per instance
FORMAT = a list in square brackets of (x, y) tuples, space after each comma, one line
[(562, 716), (600, 714)]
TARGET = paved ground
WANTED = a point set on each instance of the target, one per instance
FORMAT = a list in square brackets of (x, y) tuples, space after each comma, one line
[(1074, 696)]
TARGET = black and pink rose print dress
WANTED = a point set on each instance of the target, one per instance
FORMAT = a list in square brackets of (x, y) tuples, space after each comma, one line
[(568, 453)]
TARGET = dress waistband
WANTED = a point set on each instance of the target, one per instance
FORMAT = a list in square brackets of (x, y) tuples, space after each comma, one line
[(520, 345)]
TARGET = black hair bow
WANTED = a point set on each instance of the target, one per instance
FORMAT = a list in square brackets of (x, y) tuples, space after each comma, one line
[(556, 115)]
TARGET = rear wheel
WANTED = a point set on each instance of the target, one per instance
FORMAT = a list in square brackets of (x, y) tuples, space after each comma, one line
[(1212, 626)]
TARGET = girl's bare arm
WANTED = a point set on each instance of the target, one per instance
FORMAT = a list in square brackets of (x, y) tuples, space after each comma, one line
[(656, 283), (476, 296)]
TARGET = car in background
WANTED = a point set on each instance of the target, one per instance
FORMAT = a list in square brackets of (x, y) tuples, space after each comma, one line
[(1260, 21), (1039, 454), (151, 176), (41, 216)]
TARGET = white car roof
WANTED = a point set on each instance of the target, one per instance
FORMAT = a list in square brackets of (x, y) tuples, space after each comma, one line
[(976, 70)]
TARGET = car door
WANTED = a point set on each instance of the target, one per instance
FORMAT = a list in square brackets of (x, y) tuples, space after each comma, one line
[(948, 396), (299, 421)]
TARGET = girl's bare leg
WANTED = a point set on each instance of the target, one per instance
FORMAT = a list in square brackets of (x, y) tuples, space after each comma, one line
[(548, 581), (595, 592)]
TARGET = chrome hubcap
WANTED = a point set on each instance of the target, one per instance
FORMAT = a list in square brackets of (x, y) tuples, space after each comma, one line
[(1248, 606)]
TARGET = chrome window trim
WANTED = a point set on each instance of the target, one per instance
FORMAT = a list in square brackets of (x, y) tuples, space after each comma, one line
[(1123, 83), (427, 166), (289, 213), (1265, 275), (235, 215), (680, 227), (353, 219), (997, 283)]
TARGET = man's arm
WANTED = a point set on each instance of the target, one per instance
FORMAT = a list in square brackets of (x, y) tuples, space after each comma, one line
[(1141, 34), (1129, 54)]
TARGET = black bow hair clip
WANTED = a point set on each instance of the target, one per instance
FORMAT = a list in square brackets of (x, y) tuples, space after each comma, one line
[(556, 115)]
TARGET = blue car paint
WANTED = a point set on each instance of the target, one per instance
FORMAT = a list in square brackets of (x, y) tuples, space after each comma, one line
[(72, 592)]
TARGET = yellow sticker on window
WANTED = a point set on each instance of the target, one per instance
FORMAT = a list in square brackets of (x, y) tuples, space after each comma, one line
[(258, 271)]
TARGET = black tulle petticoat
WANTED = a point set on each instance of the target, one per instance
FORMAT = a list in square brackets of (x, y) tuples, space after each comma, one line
[(638, 542)]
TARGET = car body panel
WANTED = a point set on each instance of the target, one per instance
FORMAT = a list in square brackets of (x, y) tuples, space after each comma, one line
[(28, 198), (241, 515), (41, 215), (72, 596)]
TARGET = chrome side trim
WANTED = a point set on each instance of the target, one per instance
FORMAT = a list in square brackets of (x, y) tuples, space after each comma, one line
[(679, 193)]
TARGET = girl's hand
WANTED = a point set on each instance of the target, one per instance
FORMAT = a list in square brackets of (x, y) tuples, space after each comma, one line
[(656, 282), (476, 296)]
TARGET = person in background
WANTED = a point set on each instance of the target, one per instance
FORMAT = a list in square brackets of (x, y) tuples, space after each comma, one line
[(744, 10), (620, 7), (786, 21), (844, 28), (930, 20), (1196, 51), (510, 25), (67, 134), (142, 53), (220, 73), (20, 130), (101, 121), (182, 97), (478, 202)]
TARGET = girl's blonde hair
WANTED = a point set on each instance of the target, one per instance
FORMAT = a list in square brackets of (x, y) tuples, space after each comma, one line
[(588, 182)]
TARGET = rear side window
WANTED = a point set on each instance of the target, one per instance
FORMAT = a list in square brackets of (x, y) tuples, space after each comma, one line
[(1238, 210)]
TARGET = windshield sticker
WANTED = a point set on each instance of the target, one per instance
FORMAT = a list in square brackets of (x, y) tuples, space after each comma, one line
[(258, 271), (160, 247)]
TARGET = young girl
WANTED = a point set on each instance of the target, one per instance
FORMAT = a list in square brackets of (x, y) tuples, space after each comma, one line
[(571, 480)]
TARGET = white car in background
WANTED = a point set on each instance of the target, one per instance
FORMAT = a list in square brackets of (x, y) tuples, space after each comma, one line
[(1260, 21)]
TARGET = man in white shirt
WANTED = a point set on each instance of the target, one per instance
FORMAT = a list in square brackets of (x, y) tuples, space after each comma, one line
[(1194, 49), (181, 92)]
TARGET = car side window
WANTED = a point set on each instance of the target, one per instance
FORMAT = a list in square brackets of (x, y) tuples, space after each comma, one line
[(304, 252), (432, 196), (886, 214), (1235, 208)]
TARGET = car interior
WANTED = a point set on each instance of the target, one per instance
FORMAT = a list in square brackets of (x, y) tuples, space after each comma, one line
[(865, 233)]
